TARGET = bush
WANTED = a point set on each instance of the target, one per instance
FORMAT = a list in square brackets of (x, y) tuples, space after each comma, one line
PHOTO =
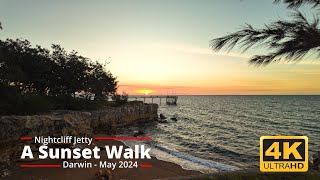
[(119, 100), (18, 104), (70, 103), (33, 104), (12, 102)]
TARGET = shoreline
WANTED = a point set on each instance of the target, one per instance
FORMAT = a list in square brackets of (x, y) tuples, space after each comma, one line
[(186, 161)]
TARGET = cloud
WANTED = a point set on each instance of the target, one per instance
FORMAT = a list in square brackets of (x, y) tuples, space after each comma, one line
[(187, 48), (304, 62), (193, 49)]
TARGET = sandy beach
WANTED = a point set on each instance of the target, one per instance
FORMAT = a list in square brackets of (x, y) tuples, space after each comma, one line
[(160, 169)]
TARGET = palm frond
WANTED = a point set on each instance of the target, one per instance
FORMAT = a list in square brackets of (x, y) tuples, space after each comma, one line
[(262, 60), (293, 4), (290, 40)]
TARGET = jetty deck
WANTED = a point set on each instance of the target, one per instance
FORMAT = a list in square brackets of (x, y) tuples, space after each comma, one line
[(170, 100)]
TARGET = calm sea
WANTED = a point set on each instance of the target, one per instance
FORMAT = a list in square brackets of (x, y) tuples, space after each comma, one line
[(221, 133)]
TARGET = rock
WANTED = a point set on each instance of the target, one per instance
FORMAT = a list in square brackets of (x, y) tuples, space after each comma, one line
[(104, 174), (138, 133), (316, 164), (316, 161), (162, 116), (5, 173), (174, 119), (75, 123), (162, 121), (13, 127)]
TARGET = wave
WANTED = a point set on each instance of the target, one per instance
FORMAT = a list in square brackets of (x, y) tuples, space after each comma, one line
[(186, 161)]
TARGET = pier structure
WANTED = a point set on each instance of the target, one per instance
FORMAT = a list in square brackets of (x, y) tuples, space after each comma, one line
[(170, 100)]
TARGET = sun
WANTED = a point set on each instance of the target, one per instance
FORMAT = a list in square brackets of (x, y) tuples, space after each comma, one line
[(147, 91), (144, 91)]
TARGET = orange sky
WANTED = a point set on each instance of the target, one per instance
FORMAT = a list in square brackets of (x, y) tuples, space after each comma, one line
[(229, 75), (162, 46)]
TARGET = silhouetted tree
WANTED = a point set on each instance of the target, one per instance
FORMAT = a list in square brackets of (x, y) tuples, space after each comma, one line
[(101, 82), (72, 71), (39, 71), (286, 39), (25, 67)]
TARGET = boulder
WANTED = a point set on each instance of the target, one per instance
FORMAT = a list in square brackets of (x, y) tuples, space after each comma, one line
[(162, 116)]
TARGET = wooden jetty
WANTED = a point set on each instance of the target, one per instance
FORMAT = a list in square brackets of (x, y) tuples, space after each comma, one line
[(170, 100)]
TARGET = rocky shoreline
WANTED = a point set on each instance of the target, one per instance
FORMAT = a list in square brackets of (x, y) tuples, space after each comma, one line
[(76, 123)]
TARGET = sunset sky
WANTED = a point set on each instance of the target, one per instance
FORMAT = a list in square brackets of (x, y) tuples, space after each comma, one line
[(162, 46)]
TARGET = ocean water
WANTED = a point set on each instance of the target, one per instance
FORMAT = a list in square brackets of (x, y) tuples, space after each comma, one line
[(221, 133)]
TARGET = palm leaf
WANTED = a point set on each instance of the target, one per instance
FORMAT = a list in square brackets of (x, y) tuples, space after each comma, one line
[(298, 3), (290, 40)]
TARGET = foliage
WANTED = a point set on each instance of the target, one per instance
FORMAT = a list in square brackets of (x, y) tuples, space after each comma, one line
[(13, 102), (36, 104), (298, 3), (40, 71), (286, 39), (119, 99), (36, 79), (101, 82)]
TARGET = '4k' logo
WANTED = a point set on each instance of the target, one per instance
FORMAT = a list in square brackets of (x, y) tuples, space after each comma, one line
[(273, 150), (283, 153)]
